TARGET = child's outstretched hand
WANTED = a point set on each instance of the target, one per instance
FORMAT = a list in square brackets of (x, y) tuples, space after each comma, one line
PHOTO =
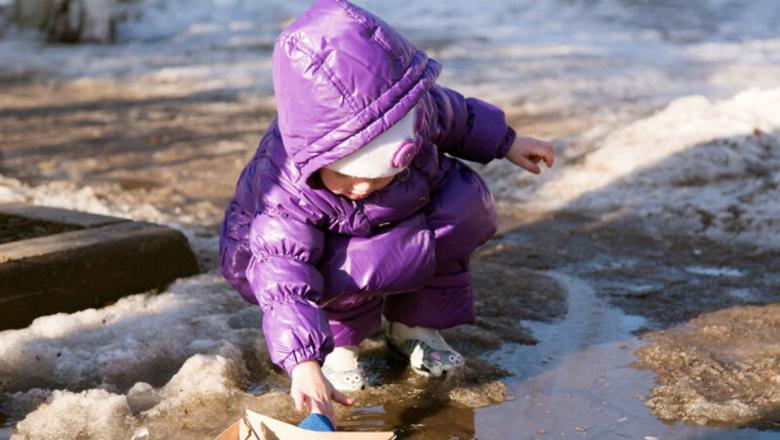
[(527, 152), (311, 390)]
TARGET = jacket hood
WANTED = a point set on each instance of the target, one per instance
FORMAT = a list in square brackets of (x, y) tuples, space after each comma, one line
[(342, 76)]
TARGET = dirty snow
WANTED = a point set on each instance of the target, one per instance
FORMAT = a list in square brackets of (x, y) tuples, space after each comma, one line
[(112, 346), (198, 331), (203, 396), (62, 194), (698, 165)]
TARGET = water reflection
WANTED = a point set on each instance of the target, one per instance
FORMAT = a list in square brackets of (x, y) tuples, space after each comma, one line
[(429, 420)]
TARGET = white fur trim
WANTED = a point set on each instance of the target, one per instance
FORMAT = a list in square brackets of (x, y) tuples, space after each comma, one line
[(375, 158)]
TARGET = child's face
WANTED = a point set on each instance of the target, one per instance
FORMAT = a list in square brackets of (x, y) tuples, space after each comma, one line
[(354, 188)]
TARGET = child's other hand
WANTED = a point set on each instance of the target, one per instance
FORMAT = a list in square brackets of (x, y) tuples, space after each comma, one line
[(527, 152), (313, 392)]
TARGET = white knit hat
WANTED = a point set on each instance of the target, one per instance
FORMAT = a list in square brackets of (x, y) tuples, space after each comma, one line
[(386, 154)]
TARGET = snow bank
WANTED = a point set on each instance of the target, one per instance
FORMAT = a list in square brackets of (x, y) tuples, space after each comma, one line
[(199, 336), (696, 166), (204, 395), (144, 337)]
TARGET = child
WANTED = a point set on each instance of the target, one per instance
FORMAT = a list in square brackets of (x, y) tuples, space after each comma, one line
[(350, 207)]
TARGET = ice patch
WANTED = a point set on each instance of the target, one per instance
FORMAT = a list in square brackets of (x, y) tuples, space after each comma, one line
[(141, 433), (715, 271), (633, 322), (641, 289), (746, 294), (142, 397)]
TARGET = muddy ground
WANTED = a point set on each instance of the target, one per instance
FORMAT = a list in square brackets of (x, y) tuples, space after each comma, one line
[(711, 328), (723, 368), (180, 153)]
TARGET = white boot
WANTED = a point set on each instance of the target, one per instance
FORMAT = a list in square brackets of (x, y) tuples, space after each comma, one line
[(428, 352), (341, 368)]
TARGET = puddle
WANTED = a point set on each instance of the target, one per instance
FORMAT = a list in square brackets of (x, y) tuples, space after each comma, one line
[(578, 383), (415, 422), (5, 427)]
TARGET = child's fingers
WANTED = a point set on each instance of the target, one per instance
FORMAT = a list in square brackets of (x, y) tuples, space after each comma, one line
[(549, 161), (527, 165), (342, 398), (325, 408), (549, 158), (544, 150), (298, 399)]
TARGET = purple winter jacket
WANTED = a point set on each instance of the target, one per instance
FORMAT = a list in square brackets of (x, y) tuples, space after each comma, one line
[(341, 77)]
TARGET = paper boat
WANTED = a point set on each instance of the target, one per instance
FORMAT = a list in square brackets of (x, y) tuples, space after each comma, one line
[(254, 426)]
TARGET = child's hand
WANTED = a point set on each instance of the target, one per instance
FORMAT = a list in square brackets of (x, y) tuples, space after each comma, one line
[(311, 390), (527, 152)]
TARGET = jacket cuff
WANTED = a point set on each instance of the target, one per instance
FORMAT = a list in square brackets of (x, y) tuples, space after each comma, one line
[(486, 132), (509, 139), (301, 355)]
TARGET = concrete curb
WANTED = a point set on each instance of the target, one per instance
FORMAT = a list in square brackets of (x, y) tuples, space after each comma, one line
[(75, 270)]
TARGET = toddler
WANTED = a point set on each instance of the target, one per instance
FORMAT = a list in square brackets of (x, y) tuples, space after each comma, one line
[(355, 204)]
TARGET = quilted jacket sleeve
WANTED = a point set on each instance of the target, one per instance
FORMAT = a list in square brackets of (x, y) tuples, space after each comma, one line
[(287, 285), (469, 128)]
